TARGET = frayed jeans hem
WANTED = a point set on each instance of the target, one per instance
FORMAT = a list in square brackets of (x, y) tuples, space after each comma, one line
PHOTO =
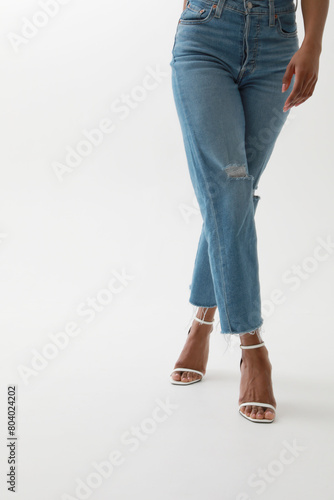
[(251, 330), (201, 305)]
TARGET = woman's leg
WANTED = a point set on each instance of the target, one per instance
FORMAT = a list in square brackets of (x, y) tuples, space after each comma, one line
[(240, 140), (201, 288), (263, 101), (259, 84), (195, 352), (212, 119), (255, 381)]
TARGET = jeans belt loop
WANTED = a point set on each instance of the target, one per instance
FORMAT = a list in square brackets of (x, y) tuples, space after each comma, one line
[(219, 8), (271, 13)]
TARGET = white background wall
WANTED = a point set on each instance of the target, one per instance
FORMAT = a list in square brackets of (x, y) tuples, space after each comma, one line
[(128, 207)]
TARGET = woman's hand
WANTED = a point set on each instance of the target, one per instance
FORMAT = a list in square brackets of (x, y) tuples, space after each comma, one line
[(305, 65), (305, 62)]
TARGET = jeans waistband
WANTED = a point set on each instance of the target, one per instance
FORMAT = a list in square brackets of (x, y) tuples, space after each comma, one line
[(259, 6)]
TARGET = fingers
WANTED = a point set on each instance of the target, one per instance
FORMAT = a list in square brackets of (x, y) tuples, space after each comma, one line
[(296, 91), (286, 80), (308, 92), (303, 89)]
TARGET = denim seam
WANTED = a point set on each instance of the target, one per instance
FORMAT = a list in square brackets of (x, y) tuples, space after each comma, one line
[(291, 34), (220, 252), (245, 49), (188, 6), (214, 214), (195, 264), (173, 48), (256, 48), (198, 21)]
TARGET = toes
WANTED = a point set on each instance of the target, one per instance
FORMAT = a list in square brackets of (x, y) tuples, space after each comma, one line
[(176, 376), (193, 376), (260, 413), (183, 376), (269, 414), (248, 410), (254, 411), (257, 412)]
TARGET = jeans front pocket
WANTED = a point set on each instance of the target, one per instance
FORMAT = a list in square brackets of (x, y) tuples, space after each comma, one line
[(197, 12), (286, 24)]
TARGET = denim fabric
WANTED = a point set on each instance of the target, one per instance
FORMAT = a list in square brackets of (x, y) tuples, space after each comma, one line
[(228, 61)]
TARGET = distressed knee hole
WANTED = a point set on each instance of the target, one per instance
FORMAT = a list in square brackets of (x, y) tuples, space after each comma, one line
[(236, 171)]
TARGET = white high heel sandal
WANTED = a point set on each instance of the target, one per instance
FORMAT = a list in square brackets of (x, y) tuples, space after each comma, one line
[(176, 382), (266, 405)]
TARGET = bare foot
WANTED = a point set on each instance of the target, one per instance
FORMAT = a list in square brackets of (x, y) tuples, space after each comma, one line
[(255, 383), (195, 352)]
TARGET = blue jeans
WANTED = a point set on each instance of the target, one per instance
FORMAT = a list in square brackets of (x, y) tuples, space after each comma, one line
[(229, 58)]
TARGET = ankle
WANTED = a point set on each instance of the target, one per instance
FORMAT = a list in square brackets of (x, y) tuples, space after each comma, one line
[(253, 358), (206, 314), (252, 338), (200, 328)]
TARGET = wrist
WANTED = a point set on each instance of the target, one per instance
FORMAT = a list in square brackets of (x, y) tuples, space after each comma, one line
[(312, 45)]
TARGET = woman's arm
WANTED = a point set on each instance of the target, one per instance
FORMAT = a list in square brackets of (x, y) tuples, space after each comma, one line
[(305, 62)]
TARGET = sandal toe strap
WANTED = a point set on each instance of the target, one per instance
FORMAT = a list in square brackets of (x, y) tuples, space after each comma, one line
[(252, 403), (187, 370)]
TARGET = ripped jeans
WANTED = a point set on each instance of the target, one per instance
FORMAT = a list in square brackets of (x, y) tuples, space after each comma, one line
[(229, 58)]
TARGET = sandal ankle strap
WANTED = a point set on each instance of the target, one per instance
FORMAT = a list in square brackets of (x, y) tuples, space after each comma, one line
[(204, 322), (251, 346)]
